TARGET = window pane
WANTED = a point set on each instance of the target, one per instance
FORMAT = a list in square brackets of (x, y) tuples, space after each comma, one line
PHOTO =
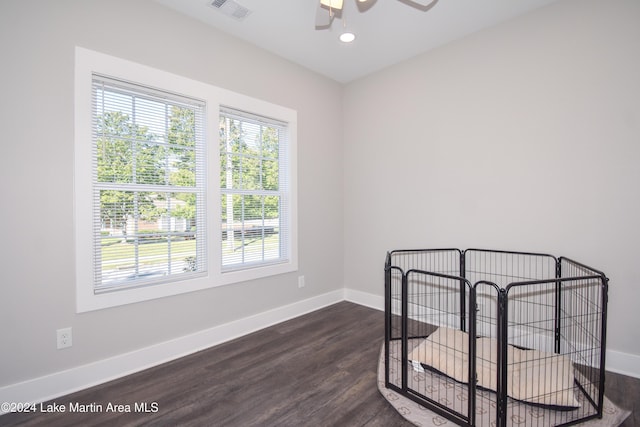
[(146, 235), (272, 248), (250, 229), (232, 249), (182, 127), (251, 172), (182, 215), (270, 143), (270, 174), (182, 169), (272, 210), (230, 135), (146, 256), (234, 171), (109, 102), (250, 134), (150, 117), (253, 209), (150, 164), (114, 160)]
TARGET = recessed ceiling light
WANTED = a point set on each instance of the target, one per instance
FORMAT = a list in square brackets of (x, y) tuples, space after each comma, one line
[(347, 37)]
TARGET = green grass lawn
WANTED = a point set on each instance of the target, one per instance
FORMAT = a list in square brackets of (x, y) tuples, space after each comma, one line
[(117, 254)]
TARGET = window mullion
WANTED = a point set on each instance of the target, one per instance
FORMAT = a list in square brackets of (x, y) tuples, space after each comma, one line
[(151, 188), (262, 232), (169, 231), (136, 238), (229, 180), (242, 228)]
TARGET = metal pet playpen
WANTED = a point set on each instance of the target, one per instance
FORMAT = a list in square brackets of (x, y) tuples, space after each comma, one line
[(496, 338)]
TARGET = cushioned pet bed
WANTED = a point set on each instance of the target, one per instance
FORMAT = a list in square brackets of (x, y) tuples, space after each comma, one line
[(532, 376)]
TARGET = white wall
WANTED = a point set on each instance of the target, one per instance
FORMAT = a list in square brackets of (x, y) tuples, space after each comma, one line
[(525, 136), (37, 43)]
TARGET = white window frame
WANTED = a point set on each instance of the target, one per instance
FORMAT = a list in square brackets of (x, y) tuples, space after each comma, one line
[(89, 62), (283, 114), (233, 188)]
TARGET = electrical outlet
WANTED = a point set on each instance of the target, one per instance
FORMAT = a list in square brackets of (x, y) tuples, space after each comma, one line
[(301, 281), (65, 338)]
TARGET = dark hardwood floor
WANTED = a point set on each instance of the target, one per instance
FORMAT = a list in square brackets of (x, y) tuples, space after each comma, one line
[(315, 370)]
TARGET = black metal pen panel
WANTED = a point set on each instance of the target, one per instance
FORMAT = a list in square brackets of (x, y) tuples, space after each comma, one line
[(516, 335)]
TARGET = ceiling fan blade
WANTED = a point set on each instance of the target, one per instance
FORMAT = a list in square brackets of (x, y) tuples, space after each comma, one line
[(327, 10), (324, 17), (364, 5), (333, 4), (423, 5)]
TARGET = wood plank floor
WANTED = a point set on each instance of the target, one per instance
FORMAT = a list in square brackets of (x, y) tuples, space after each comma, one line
[(315, 370)]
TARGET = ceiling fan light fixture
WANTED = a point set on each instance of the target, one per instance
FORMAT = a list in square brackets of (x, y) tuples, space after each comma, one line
[(347, 37), (332, 4)]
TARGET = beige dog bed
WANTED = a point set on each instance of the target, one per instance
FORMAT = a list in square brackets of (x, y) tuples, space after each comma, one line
[(532, 376)]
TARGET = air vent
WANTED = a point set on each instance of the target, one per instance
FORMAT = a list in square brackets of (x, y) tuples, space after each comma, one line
[(231, 8)]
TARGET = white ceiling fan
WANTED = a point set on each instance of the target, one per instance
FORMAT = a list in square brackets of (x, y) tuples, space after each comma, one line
[(328, 10)]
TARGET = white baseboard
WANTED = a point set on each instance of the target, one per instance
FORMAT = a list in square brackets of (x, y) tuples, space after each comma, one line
[(364, 298), (623, 363), (61, 383)]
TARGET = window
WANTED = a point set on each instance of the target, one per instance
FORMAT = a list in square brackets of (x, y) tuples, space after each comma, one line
[(148, 185), (254, 190), (174, 193)]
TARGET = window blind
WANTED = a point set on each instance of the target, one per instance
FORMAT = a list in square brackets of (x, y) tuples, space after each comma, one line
[(148, 185), (255, 190)]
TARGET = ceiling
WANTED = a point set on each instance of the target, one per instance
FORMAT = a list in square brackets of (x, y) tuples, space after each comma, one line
[(388, 32)]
